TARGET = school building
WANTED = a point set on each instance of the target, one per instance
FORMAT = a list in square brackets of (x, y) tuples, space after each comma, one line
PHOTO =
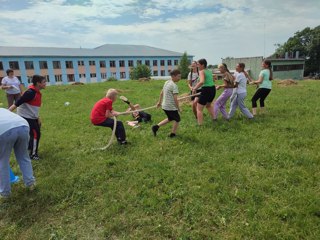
[(288, 67), (69, 65)]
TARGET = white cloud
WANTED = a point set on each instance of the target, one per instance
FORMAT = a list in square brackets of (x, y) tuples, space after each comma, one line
[(206, 28)]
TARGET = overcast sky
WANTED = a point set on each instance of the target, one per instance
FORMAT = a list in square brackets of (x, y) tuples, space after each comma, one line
[(212, 29)]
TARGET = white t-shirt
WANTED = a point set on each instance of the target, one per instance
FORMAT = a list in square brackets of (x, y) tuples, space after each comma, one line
[(194, 80), (6, 81), (242, 83), (169, 90), (9, 120)]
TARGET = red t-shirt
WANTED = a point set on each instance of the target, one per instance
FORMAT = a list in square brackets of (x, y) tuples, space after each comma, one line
[(98, 113)]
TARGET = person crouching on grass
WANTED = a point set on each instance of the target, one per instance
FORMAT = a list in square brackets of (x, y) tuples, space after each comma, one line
[(102, 113), (169, 102)]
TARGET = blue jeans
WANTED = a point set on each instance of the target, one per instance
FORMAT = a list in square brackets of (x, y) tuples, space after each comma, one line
[(17, 139)]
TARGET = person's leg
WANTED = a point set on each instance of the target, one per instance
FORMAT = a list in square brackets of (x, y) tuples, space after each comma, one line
[(155, 128), (217, 106), (10, 99), (242, 106), (209, 107), (174, 127), (34, 138), (16, 97), (194, 106), (7, 141), (200, 113), (22, 156), (233, 105), (264, 95), (226, 96), (163, 122), (254, 100), (120, 132)]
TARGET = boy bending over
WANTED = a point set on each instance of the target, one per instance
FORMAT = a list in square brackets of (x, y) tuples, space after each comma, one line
[(102, 113)]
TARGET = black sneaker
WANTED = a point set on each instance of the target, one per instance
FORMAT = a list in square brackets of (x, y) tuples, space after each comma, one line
[(35, 157), (155, 129), (172, 135)]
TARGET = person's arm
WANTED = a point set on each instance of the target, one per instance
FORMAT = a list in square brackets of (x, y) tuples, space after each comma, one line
[(21, 88), (201, 81), (160, 99), (225, 85), (26, 97), (4, 85), (175, 97), (260, 80), (190, 82)]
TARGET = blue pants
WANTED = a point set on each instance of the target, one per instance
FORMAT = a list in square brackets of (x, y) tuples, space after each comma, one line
[(17, 139), (120, 131)]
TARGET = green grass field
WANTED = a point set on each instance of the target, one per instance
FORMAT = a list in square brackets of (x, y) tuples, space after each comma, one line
[(228, 180)]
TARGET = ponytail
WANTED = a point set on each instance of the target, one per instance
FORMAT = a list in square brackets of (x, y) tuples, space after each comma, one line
[(226, 67)]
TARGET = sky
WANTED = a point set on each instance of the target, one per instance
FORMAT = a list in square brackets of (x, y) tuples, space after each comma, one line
[(211, 29)]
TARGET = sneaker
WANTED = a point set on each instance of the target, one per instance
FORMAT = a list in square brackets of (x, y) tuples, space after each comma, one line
[(31, 187), (35, 157), (172, 135), (124, 99), (155, 129)]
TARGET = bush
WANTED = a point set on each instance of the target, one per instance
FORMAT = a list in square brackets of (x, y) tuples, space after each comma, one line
[(112, 79), (140, 71)]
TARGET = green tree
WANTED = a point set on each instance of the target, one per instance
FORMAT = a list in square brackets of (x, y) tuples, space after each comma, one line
[(184, 66), (307, 42), (140, 71)]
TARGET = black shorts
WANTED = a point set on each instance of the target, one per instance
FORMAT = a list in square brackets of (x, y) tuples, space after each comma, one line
[(143, 117), (207, 95), (172, 115), (198, 91)]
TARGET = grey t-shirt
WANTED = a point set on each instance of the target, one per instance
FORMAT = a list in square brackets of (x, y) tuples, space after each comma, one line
[(169, 90)]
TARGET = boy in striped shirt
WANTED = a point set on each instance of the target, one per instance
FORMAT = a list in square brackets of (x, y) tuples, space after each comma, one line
[(169, 102)]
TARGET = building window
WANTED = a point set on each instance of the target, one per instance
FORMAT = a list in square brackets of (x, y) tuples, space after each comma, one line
[(47, 78), (112, 63), (102, 64), (43, 65), (114, 74), (162, 63), (176, 62), (147, 62), (28, 65), (80, 63), (92, 63), (70, 77), (1, 66), (14, 65), (169, 62), (83, 75), (155, 63), (103, 76), (56, 65), (162, 73), (58, 78), (130, 63), (139, 62), (155, 73), (122, 63), (69, 64), (93, 75), (122, 75), (278, 68)]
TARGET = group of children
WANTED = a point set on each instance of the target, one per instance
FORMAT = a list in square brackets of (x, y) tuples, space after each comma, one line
[(14, 128), (203, 91)]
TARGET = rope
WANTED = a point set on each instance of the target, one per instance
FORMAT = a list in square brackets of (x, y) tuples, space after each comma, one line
[(130, 112)]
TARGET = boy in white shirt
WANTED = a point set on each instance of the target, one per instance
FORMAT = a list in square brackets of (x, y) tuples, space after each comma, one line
[(169, 102)]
